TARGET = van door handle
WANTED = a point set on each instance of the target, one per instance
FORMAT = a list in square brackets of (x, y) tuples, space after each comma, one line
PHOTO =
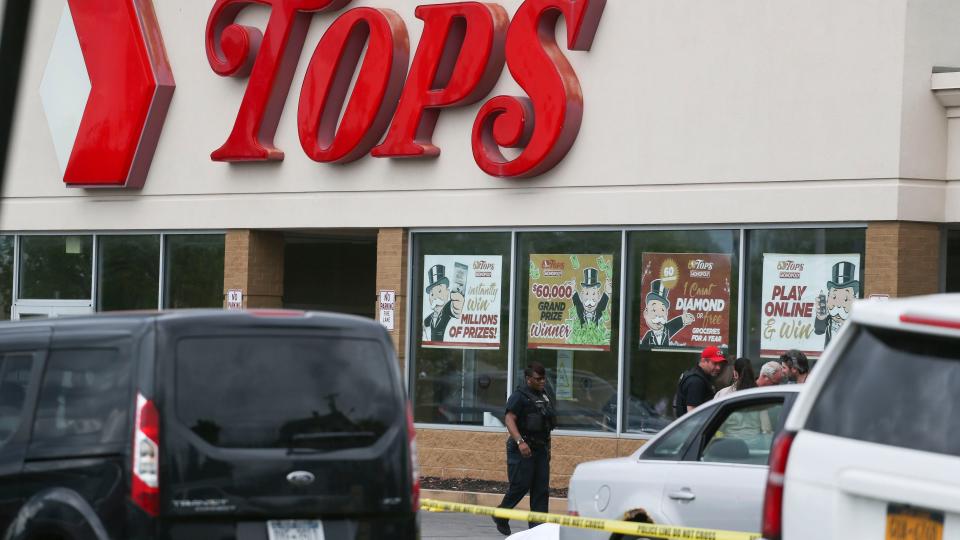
[(682, 495)]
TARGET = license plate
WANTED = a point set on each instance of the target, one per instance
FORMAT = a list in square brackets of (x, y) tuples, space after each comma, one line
[(295, 530), (911, 523)]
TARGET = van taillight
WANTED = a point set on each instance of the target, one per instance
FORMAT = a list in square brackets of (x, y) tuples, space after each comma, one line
[(414, 460), (145, 488), (772, 527)]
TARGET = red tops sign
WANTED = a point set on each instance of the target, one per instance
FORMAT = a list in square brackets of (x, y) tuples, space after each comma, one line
[(458, 61)]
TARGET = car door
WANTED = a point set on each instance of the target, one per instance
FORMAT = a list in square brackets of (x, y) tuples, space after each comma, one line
[(20, 359), (720, 484)]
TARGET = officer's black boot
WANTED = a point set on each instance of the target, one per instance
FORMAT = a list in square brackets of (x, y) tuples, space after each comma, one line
[(503, 526)]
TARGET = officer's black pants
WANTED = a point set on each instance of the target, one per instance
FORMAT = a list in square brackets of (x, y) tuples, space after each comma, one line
[(530, 474)]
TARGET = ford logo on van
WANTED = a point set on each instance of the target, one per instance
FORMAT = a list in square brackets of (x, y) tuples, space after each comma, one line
[(300, 478)]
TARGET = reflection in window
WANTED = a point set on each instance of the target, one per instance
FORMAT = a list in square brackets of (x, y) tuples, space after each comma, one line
[(460, 300), (56, 267), (194, 271), (920, 373), (671, 445), (705, 286), (6, 276), (84, 399), (745, 435), (337, 393), (14, 377), (568, 319), (128, 272)]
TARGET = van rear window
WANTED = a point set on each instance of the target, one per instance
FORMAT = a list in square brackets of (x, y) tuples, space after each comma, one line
[(894, 388), (285, 392)]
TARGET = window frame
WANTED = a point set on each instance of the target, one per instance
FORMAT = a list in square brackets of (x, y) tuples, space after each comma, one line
[(91, 304), (124, 353), (27, 407), (741, 258), (723, 413)]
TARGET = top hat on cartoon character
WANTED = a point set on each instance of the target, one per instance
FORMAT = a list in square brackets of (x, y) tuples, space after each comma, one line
[(844, 275), (591, 278), (437, 276), (658, 292)]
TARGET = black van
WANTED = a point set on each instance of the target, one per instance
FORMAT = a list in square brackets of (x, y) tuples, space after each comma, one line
[(212, 425)]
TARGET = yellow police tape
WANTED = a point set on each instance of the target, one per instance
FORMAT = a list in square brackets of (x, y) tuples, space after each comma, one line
[(647, 530)]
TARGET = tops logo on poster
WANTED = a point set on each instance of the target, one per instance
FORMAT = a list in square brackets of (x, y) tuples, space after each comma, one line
[(552, 268), (700, 268), (789, 269)]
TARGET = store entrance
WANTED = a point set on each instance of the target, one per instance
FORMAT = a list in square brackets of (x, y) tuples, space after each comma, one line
[(331, 271)]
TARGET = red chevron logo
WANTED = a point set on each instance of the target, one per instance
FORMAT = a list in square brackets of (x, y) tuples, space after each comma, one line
[(130, 88)]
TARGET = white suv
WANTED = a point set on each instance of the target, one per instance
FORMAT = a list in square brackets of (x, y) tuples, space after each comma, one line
[(872, 447)]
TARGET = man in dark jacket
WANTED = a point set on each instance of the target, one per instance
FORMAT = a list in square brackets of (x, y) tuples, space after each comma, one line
[(696, 385), (530, 418)]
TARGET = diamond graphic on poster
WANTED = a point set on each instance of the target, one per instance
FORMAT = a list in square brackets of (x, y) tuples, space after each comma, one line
[(686, 301)]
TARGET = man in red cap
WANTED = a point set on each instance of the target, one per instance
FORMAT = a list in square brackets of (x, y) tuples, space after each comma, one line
[(696, 385)]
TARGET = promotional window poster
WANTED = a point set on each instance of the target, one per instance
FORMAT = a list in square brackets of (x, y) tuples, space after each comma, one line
[(806, 300), (570, 297), (686, 301), (461, 301)]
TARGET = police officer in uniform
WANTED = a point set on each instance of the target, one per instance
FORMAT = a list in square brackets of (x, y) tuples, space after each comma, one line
[(530, 418)]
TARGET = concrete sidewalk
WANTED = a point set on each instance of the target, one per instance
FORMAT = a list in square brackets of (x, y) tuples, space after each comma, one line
[(439, 525), (557, 505)]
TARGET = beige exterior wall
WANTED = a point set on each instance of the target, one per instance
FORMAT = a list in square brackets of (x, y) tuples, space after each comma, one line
[(700, 120)]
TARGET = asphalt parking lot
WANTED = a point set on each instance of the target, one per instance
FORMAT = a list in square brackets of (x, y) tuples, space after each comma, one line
[(436, 525)]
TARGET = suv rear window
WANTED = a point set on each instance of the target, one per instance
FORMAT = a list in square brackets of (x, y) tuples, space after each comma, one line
[(894, 388), (285, 391)]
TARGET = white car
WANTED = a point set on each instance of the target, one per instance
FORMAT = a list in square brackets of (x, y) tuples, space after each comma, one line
[(872, 447), (707, 469)]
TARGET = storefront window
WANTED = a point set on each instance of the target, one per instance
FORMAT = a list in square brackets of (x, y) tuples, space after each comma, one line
[(952, 282), (128, 275), (6, 276), (56, 267), (193, 271), (568, 320), (800, 285), (682, 288), (460, 302)]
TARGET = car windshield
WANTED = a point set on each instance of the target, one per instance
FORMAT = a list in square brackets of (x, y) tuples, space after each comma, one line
[(301, 393), (894, 388)]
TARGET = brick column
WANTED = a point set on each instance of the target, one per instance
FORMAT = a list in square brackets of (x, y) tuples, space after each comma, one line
[(903, 258), (253, 263), (392, 276)]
